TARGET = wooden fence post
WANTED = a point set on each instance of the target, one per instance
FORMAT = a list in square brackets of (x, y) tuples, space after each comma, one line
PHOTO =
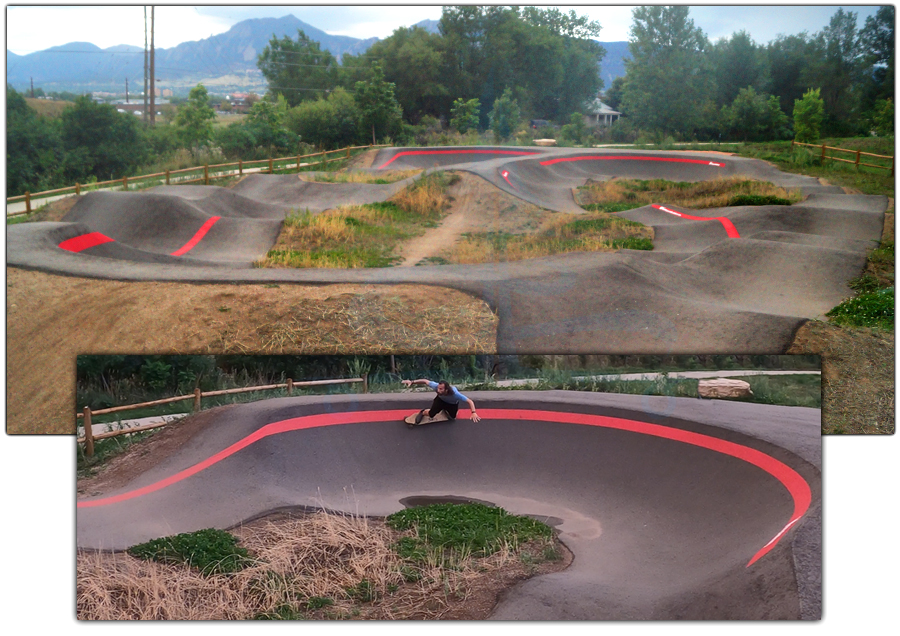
[(206, 174), (298, 163), (197, 400), (290, 386), (365, 379), (324, 161), (348, 152), (88, 433), (823, 152), (27, 202), (167, 176), (792, 145), (858, 153), (77, 188), (240, 167), (124, 183), (271, 166)]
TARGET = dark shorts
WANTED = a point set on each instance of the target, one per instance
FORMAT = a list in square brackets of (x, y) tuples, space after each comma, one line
[(439, 405)]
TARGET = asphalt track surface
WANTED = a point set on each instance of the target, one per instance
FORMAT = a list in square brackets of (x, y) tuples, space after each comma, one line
[(729, 280), (673, 507)]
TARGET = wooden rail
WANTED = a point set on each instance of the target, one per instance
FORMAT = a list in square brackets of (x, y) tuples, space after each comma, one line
[(859, 154), (225, 170), (196, 396)]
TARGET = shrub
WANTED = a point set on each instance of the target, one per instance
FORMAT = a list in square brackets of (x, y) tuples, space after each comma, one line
[(808, 115)]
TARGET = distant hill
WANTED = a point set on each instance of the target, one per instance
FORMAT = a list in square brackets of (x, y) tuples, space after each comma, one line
[(83, 66), (224, 62)]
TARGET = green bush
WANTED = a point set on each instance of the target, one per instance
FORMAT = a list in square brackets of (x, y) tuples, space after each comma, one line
[(211, 551), (757, 199), (869, 309), (808, 115)]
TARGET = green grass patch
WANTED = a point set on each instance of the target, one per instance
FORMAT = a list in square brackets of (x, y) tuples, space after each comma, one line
[(785, 390), (757, 199), (462, 529), (210, 551), (869, 309)]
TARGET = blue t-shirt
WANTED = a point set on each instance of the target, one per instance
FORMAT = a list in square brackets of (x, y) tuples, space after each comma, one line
[(454, 398)]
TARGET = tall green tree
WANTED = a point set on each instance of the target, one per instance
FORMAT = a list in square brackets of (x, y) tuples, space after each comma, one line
[(790, 59), (877, 41), (378, 107), (668, 77), (194, 118), (465, 114), (755, 116), (738, 63), (298, 69), (411, 60), (330, 122), (808, 115), (504, 116), (838, 72), (100, 141), (33, 148)]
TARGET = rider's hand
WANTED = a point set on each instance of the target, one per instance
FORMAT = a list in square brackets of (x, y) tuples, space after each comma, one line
[(406, 382), (475, 417)]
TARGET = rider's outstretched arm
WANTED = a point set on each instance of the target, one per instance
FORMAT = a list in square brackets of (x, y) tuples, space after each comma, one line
[(474, 416), (424, 381)]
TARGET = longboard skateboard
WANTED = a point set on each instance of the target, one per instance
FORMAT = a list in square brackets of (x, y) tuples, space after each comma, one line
[(411, 419)]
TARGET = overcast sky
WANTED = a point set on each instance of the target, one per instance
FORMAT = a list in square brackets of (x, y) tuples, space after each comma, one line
[(30, 29)]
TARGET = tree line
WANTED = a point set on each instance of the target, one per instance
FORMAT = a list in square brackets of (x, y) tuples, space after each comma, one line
[(489, 70), (678, 83)]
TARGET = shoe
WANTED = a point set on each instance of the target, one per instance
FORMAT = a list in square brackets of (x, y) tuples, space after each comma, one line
[(419, 417)]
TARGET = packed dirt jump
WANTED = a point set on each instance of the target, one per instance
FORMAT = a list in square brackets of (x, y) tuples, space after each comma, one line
[(674, 508), (728, 280)]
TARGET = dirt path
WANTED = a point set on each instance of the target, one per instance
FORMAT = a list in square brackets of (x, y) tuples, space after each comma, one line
[(50, 320), (477, 206)]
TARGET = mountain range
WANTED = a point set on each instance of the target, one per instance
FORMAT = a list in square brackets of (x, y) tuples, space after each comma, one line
[(224, 62)]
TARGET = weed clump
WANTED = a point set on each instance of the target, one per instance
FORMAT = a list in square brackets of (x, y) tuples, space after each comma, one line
[(211, 551), (869, 309)]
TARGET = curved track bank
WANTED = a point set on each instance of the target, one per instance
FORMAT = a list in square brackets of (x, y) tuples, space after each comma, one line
[(674, 508), (735, 280)]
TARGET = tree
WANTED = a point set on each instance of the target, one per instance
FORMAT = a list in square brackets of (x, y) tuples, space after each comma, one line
[(377, 105), (790, 59), (194, 118), (754, 116), (266, 123), (877, 41), (411, 60), (837, 70), (504, 116), (33, 148), (613, 96), (465, 115), (298, 69), (884, 118), (808, 115), (668, 77), (100, 141), (332, 122), (738, 63), (575, 131)]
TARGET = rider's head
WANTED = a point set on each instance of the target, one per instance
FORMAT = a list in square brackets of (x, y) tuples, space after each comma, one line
[(443, 388)]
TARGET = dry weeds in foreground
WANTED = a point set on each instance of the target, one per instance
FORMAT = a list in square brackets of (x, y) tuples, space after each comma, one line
[(701, 195), (301, 562)]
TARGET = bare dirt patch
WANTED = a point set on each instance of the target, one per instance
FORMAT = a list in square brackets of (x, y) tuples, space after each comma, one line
[(476, 206), (50, 320)]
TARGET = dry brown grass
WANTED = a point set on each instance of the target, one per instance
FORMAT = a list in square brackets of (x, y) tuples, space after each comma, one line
[(299, 562), (556, 236), (427, 196), (715, 193), (388, 176)]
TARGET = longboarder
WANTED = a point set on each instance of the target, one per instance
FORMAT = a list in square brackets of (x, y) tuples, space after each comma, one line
[(447, 400)]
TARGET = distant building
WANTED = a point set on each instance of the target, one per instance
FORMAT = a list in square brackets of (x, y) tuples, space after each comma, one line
[(599, 114)]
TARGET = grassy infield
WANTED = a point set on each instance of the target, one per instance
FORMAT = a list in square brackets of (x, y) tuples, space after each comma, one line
[(417, 563)]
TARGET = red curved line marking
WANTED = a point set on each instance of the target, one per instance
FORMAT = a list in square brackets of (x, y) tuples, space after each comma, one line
[(789, 478), (456, 152), (730, 230), (505, 175), (197, 237), (85, 241), (550, 162)]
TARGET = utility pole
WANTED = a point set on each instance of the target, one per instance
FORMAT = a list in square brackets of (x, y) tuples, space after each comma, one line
[(126, 90), (152, 72), (144, 118), (32, 88)]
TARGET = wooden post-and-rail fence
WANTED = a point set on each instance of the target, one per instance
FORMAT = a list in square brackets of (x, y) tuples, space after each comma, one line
[(219, 171), (197, 397), (856, 161)]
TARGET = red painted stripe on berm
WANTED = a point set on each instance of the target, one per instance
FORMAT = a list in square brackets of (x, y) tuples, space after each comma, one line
[(796, 486), (85, 241), (730, 230), (187, 247), (702, 162), (455, 152)]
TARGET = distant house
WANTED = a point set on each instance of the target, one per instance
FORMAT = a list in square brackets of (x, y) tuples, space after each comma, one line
[(599, 114)]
